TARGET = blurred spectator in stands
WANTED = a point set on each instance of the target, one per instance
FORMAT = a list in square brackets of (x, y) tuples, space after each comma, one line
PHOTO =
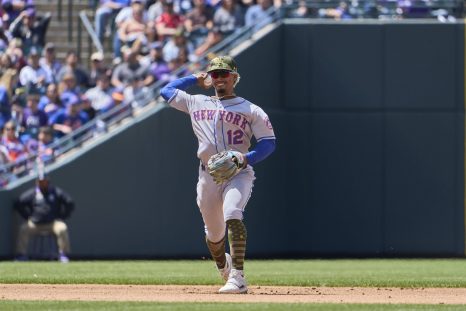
[(302, 11), (169, 22), (97, 68), (44, 149), (340, 12), (67, 89), (118, 97), (177, 63), (198, 22), (257, 16), (30, 29), (5, 62), (8, 74), (42, 146), (246, 4), (370, 9), (100, 96), (215, 4), (17, 103), (175, 44), (125, 15), (50, 103), (33, 75), (17, 151), (4, 37), (134, 28), (106, 9), (49, 61), (148, 3), (69, 119), (181, 7), (5, 108), (158, 66), (5, 175), (86, 107), (71, 66), (126, 12), (4, 158), (412, 10), (13, 8), (44, 207), (124, 109), (150, 57), (15, 51), (33, 118), (228, 18), (132, 75), (155, 10), (132, 71)]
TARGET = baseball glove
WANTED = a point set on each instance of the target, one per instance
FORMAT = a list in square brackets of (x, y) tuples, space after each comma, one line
[(224, 165)]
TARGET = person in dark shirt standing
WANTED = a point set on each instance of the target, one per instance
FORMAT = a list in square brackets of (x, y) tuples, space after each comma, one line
[(30, 29), (44, 207)]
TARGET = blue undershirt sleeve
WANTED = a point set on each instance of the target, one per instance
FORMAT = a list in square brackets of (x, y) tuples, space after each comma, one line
[(168, 90), (261, 151)]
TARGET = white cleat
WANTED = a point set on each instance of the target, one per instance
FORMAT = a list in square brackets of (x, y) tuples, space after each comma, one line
[(236, 283), (225, 272)]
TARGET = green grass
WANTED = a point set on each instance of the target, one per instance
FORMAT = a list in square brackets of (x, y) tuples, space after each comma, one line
[(365, 273), (146, 306)]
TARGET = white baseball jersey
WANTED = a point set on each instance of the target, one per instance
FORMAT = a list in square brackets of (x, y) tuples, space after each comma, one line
[(223, 124)]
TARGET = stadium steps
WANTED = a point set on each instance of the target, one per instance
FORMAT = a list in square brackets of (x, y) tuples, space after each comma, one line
[(59, 31)]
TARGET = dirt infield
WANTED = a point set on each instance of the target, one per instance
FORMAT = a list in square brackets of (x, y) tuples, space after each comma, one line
[(195, 293)]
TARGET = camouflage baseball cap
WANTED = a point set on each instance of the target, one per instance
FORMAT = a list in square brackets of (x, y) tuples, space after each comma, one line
[(222, 63)]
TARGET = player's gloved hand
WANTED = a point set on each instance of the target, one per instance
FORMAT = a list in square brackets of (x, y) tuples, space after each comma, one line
[(203, 80), (226, 164), (239, 159)]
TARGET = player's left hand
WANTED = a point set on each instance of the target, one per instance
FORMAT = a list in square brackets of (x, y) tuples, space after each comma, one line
[(226, 164)]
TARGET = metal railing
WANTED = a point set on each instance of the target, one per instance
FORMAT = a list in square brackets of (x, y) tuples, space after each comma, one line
[(69, 20), (91, 33)]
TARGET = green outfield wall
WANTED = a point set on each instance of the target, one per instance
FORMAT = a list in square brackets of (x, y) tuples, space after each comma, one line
[(369, 118)]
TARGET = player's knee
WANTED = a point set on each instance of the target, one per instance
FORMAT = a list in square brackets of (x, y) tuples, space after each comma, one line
[(215, 236), (59, 227)]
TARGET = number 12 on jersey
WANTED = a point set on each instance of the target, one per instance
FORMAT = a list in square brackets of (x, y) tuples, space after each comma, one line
[(235, 137)]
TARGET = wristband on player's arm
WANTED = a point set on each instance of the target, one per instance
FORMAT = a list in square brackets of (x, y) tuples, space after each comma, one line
[(261, 151), (169, 90)]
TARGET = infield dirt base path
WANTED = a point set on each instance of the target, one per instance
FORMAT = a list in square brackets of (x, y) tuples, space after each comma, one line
[(196, 293)]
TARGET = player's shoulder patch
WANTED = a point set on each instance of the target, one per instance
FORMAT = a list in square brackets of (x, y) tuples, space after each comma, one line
[(268, 124)]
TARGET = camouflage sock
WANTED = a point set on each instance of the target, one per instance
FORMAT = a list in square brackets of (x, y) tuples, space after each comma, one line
[(237, 235), (217, 250)]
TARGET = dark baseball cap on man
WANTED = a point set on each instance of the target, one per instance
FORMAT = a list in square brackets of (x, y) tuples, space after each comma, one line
[(222, 63)]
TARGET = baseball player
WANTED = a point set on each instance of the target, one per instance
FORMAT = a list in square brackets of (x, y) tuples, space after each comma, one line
[(224, 122)]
